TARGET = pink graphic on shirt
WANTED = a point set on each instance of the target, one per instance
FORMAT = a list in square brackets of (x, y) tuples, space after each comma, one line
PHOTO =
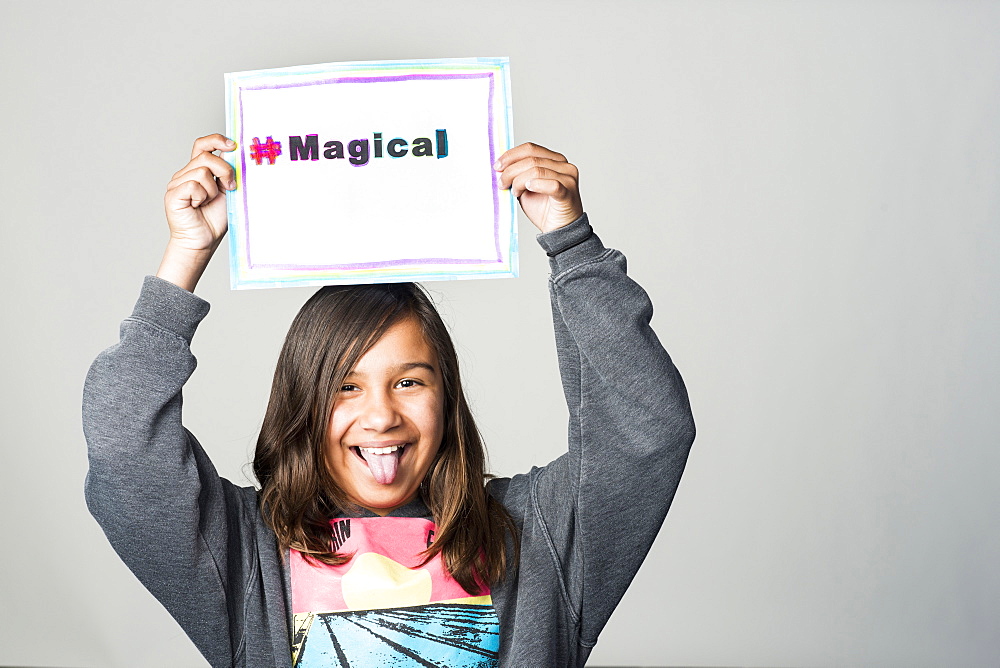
[(384, 572)]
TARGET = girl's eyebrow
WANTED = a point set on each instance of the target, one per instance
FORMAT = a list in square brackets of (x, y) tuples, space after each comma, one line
[(406, 366), (400, 368)]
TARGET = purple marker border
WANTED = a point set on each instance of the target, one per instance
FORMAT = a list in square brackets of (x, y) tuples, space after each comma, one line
[(383, 263)]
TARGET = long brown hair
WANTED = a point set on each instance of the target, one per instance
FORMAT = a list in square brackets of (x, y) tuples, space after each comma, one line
[(298, 496)]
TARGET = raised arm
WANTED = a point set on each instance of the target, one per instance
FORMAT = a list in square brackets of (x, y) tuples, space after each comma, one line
[(150, 485), (601, 504)]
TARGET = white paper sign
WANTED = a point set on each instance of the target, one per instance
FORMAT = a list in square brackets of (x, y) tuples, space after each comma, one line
[(370, 172)]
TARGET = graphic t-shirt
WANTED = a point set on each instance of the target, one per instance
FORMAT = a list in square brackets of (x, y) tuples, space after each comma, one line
[(382, 608)]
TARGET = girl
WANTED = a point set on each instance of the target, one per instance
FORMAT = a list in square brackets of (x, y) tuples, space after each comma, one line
[(376, 537)]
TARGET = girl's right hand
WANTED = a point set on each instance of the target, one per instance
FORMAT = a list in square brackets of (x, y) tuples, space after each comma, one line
[(195, 201), (195, 205)]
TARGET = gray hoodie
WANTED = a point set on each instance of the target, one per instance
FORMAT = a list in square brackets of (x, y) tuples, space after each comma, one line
[(587, 519)]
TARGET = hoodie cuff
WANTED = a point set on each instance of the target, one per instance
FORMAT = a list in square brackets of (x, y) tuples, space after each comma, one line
[(169, 307), (571, 245)]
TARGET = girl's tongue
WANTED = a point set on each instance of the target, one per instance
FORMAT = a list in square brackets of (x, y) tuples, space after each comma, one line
[(383, 467)]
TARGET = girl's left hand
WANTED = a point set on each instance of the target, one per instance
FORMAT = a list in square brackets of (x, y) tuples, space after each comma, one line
[(544, 183)]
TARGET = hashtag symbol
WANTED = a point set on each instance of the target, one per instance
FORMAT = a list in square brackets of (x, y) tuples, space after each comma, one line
[(270, 149)]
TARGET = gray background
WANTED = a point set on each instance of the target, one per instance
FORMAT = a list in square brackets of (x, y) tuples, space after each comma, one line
[(808, 190)]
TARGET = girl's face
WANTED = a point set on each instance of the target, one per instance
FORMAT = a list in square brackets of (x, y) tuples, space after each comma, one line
[(387, 421)]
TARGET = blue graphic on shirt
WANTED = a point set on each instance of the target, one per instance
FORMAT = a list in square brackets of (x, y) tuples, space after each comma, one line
[(439, 635)]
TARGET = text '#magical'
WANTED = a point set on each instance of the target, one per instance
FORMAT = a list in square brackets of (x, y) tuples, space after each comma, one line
[(358, 151)]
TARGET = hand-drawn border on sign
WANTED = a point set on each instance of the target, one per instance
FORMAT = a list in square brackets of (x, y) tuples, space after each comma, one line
[(381, 263)]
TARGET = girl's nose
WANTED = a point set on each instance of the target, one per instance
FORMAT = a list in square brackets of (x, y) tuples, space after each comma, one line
[(380, 413)]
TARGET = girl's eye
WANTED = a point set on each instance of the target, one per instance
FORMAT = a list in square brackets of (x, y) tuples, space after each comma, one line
[(408, 382), (348, 387)]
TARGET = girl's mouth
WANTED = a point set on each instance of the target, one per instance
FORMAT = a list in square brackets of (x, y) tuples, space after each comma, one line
[(382, 462)]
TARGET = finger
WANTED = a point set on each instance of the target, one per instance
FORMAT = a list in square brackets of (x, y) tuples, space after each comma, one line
[(554, 188), (521, 181), (200, 175), (512, 171), (188, 194), (211, 143), (221, 169), (526, 150)]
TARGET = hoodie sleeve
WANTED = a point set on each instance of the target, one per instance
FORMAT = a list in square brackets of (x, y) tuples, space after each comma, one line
[(150, 485), (600, 505)]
